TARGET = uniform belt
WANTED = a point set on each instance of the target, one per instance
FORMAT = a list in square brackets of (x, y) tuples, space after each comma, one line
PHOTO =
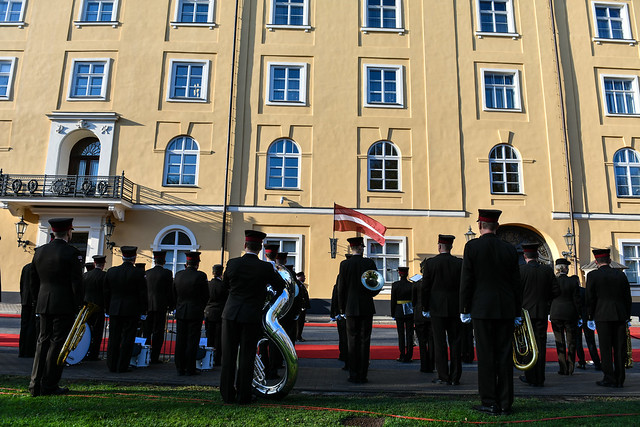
[(404, 301)]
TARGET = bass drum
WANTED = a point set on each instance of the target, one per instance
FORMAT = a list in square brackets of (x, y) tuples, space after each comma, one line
[(77, 354)]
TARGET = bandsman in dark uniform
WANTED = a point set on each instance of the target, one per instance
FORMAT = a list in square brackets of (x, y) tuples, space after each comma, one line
[(56, 284), (93, 284), (422, 326), (402, 312), (565, 313), (218, 295), (356, 303), (609, 305), (28, 320), (191, 293), (269, 354), (491, 295), (589, 335), (305, 304), (341, 325), (539, 286), (159, 301), (88, 266), (441, 298), (125, 294), (247, 278)]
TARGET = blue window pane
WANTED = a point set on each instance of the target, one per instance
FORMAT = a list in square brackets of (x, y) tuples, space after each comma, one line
[(98, 69), (189, 180), (5, 67), (291, 162), (293, 95), (290, 183), (489, 98), (83, 68), (173, 179), (601, 11), (174, 169), (614, 12), (175, 159), (274, 182), (291, 173), (486, 5), (189, 170), (196, 70), (500, 6), (276, 162), (190, 159)]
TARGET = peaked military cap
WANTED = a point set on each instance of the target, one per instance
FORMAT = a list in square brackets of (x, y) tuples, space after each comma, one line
[(129, 251), (446, 239), (61, 224), (489, 215), (355, 241)]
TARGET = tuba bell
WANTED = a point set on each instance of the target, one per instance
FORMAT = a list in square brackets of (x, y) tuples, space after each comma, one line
[(525, 349), (76, 332), (372, 280)]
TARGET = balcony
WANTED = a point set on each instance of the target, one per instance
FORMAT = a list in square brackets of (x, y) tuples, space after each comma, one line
[(114, 192)]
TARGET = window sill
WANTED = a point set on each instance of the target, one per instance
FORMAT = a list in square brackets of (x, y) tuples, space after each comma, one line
[(86, 98), (195, 100), (180, 186), (621, 115), (482, 34), (397, 106), (287, 103), (80, 24), (210, 25), (629, 198), (392, 192), (367, 30), (273, 27), (274, 189), (503, 110), (516, 196), (600, 40), (19, 24)]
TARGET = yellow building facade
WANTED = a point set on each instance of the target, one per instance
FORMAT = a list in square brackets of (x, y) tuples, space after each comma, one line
[(185, 122)]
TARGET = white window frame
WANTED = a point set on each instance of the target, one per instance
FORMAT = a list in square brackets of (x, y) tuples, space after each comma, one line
[(184, 151), (204, 91), (627, 36), (511, 23), (627, 165), (399, 28), (399, 69), (12, 73), (297, 238), (303, 83), (272, 26), (20, 22), (284, 156), (82, 18), (636, 94), (105, 81), (403, 255), (383, 157), (183, 248), (517, 89), (210, 20), (630, 242), (518, 161)]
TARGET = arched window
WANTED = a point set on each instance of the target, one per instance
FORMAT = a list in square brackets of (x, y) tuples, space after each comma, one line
[(283, 165), (383, 167), (627, 169), (177, 241), (505, 165), (84, 158), (181, 162)]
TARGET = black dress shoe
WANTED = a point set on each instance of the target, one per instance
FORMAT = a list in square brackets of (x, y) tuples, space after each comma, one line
[(56, 392), (181, 373), (251, 400), (524, 379), (353, 380), (345, 368), (427, 371), (604, 383), (582, 366), (597, 367), (505, 412), (400, 359), (454, 383), (363, 381), (493, 410), (189, 374), (438, 381)]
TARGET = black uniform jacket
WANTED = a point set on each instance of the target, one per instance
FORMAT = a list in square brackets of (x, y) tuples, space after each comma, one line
[(125, 291), (400, 291), (441, 285), (539, 287), (93, 283), (26, 297), (159, 289), (247, 278), (353, 298), (56, 278), (218, 295), (490, 282), (566, 306), (416, 299), (608, 295), (191, 293), (333, 310)]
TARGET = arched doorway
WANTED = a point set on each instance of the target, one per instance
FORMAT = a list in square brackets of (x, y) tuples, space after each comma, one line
[(517, 235), (85, 157)]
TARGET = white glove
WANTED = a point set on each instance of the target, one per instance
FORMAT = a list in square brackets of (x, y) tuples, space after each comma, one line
[(591, 325), (106, 315), (426, 314), (465, 317), (143, 317), (517, 321), (579, 323), (629, 324), (332, 319)]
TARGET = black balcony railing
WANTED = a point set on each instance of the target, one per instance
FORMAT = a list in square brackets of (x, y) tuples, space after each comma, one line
[(115, 187)]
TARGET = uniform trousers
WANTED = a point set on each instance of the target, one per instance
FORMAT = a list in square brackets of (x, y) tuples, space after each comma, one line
[(359, 343), (242, 338), (122, 336), (564, 332), (187, 343), (612, 336), (96, 326), (404, 327), (535, 375), (590, 338), (466, 340), (300, 324), (426, 346), (46, 373), (154, 332), (343, 346), (443, 328), (28, 332), (213, 330), (495, 361)]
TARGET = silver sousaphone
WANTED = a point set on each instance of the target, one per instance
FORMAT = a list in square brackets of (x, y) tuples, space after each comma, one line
[(372, 280)]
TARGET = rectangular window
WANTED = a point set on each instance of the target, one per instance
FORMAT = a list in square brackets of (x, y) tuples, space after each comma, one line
[(631, 258), (89, 79), (287, 84), (383, 14), (495, 16), (387, 258), (289, 13), (7, 66), (501, 90), (188, 81), (611, 21), (195, 11), (291, 244), (621, 94), (384, 86), (11, 10), (99, 11)]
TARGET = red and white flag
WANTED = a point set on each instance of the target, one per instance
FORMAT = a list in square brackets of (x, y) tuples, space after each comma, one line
[(345, 219)]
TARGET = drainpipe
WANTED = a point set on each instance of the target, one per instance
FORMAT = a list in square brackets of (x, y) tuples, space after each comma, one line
[(565, 136), (230, 124)]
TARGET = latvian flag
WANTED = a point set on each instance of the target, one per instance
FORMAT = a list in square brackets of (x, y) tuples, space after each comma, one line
[(345, 219)]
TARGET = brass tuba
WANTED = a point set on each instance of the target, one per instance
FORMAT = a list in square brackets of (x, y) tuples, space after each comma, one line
[(525, 349), (77, 331), (372, 280)]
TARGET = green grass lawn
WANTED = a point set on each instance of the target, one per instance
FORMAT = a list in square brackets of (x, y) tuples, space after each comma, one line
[(94, 403)]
